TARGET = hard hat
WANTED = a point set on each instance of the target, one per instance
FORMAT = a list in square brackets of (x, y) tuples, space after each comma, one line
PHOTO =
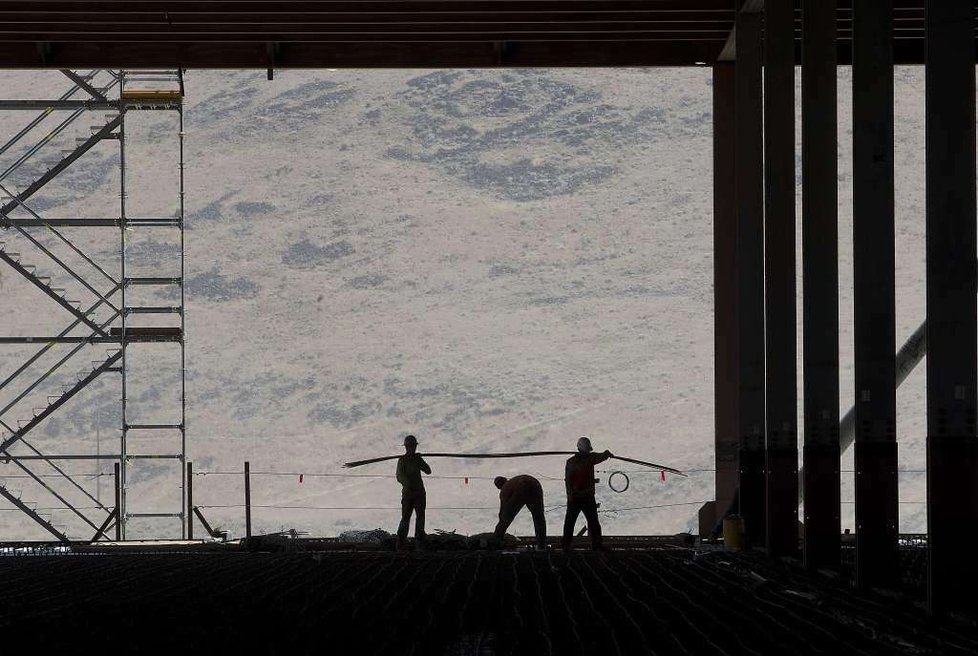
[(410, 440), (584, 445), (499, 481)]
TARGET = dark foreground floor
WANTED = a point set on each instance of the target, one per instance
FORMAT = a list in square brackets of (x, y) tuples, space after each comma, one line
[(661, 601)]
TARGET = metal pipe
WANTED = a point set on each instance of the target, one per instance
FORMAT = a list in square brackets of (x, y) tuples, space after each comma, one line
[(247, 483), (122, 276), (358, 463), (118, 502), (189, 487)]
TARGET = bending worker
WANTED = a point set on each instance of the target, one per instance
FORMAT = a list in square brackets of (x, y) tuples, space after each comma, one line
[(413, 498), (514, 493), (579, 481)]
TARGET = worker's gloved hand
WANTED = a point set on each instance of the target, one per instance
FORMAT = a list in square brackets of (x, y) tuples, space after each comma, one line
[(608, 453)]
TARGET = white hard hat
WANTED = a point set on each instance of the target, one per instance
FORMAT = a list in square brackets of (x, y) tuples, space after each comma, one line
[(584, 445)]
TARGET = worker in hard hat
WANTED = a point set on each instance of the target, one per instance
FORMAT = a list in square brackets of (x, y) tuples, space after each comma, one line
[(579, 481), (413, 498), (514, 493)]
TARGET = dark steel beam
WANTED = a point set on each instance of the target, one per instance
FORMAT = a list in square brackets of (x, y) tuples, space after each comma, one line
[(952, 312), (61, 400), (82, 83), (725, 344), (500, 53), (247, 491), (877, 489), (190, 501), (820, 266), (779, 263), (16, 265), (40, 481), (102, 134), (241, 33), (30, 512), (80, 222), (374, 7), (101, 532), (32, 105), (750, 275), (117, 484), (104, 456), (90, 339)]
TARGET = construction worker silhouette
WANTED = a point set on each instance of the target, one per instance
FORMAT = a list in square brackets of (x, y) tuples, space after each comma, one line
[(413, 498), (579, 481), (514, 493)]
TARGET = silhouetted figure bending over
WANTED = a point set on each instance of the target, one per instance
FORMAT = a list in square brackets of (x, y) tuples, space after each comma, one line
[(413, 498), (579, 480), (514, 493)]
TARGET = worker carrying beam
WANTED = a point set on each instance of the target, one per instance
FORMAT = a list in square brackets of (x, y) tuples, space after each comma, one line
[(579, 481), (514, 493), (413, 497)]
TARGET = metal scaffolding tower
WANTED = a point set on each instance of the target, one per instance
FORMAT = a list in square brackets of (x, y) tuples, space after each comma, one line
[(98, 286)]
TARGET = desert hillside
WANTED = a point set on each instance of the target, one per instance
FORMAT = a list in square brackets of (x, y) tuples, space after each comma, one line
[(491, 260)]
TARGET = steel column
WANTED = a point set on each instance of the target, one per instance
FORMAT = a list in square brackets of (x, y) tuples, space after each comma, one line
[(874, 294), (124, 434), (750, 273), (189, 485), (247, 491), (952, 324), (820, 267), (725, 345), (117, 483), (779, 263)]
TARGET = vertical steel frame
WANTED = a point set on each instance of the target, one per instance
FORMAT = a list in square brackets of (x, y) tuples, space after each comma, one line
[(952, 313), (820, 273), (725, 345), (781, 389), (44, 252), (750, 273), (874, 264), (152, 90)]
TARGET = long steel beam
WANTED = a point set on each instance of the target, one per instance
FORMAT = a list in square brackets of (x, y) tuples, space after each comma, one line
[(88, 339), (30, 512), (95, 222), (106, 132), (48, 290), (952, 309), (820, 280), (725, 344), (781, 391), (750, 275), (407, 33), (877, 487), (82, 384)]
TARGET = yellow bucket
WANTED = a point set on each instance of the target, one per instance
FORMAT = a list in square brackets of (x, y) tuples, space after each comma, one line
[(733, 533)]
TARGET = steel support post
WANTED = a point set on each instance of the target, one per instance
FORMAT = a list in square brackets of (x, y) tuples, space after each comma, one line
[(779, 263), (247, 491), (750, 273), (117, 480), (726, 433), (952, 325), (820, 270), (190, 500), (183, 317), (877, 490), (124, 434)]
